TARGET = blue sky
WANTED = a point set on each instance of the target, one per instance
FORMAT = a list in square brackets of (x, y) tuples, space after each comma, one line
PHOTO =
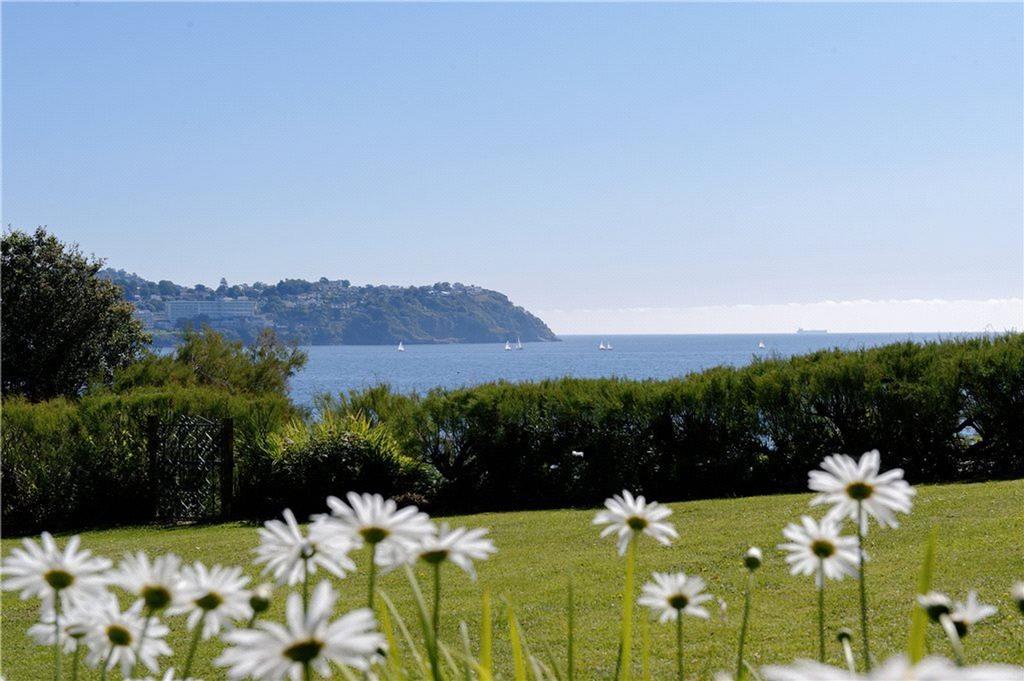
[(593, 162)]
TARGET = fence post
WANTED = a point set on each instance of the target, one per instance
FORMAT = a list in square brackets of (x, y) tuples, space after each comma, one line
[(153, 454), (227, 467)]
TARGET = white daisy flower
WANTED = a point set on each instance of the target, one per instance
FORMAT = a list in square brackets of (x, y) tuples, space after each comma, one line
[(935, 604), (44, 570), (846, 482), (154, 582), (288, 554), (460, 546), (670, 595), (812, 545), (753, 558), (115, 639), (1017, 593), (273, 651), (968, 613), (628, 516), (76, 621), (894, 669), (372, 519), (259, 599), (213, 596), (806, 670)]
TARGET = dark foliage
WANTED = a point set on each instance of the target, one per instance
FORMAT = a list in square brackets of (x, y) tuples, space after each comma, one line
[(62, 325)]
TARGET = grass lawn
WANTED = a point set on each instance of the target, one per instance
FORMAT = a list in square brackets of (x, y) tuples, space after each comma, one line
[(980, 529)]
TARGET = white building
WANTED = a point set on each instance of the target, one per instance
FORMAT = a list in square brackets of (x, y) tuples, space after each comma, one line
[(214, 309)]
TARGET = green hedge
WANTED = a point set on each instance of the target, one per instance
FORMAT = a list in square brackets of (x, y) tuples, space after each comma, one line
[(942, 411), (83, 463)]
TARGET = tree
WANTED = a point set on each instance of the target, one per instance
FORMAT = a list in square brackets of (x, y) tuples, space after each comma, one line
[(62, 325), (207, 358)]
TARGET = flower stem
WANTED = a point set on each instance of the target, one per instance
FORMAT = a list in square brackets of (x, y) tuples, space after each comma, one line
[(863, 588), (740, 669), (679, 643), (373, 576), (142, 638), (307, 672), (436, 624), (821, 611), (954, 639), (305, 588), (437, 600), (192, 646), (56, 635), (623, 667)]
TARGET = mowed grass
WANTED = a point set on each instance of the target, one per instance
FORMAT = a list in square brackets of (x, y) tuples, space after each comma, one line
[(980, 546)]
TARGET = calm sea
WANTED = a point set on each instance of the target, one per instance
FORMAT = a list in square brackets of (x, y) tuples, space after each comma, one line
[(339, 368)]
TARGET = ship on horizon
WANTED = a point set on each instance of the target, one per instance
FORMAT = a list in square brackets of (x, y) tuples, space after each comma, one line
[(817, 331)]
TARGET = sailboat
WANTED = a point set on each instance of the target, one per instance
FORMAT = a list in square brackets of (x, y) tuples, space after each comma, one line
[(761, 345), (508, 346), (608, 345), (519, 343), (601, 346), (401, 348)]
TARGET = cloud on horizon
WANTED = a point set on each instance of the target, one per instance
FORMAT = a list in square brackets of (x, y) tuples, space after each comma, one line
[(845, 316)]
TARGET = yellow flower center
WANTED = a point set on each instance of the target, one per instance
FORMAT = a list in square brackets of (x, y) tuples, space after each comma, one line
[(374, 535), (59, 579), (859, 491), (210, 601), (434, 557), (118, 635), (636, 523), (155, 596), (822, 548), (303, 651)]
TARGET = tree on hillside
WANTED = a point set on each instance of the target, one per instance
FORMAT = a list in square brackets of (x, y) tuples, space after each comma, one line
[(61, 326)]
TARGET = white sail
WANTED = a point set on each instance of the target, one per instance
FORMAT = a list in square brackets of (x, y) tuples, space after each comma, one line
[(601, 346), (608, 345), (508, 346), (519, 344), (401, 348), (761, 345)]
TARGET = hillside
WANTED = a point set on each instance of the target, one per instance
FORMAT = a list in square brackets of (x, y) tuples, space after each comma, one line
[(978, 525), (328, 312)]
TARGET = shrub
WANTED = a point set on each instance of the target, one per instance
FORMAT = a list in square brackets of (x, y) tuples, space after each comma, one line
[(942, 411), (81, 463), (312, 460)]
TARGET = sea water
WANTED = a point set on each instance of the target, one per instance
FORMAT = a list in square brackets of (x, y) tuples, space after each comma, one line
[(335, 369)]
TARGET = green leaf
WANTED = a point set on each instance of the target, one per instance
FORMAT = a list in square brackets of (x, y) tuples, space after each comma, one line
[(406, 636), (518, 658), (919, 618), (393, 659), (425, 621)]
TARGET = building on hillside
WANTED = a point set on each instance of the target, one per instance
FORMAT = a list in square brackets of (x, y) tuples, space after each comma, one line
[(145, 316), (214, 309)]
